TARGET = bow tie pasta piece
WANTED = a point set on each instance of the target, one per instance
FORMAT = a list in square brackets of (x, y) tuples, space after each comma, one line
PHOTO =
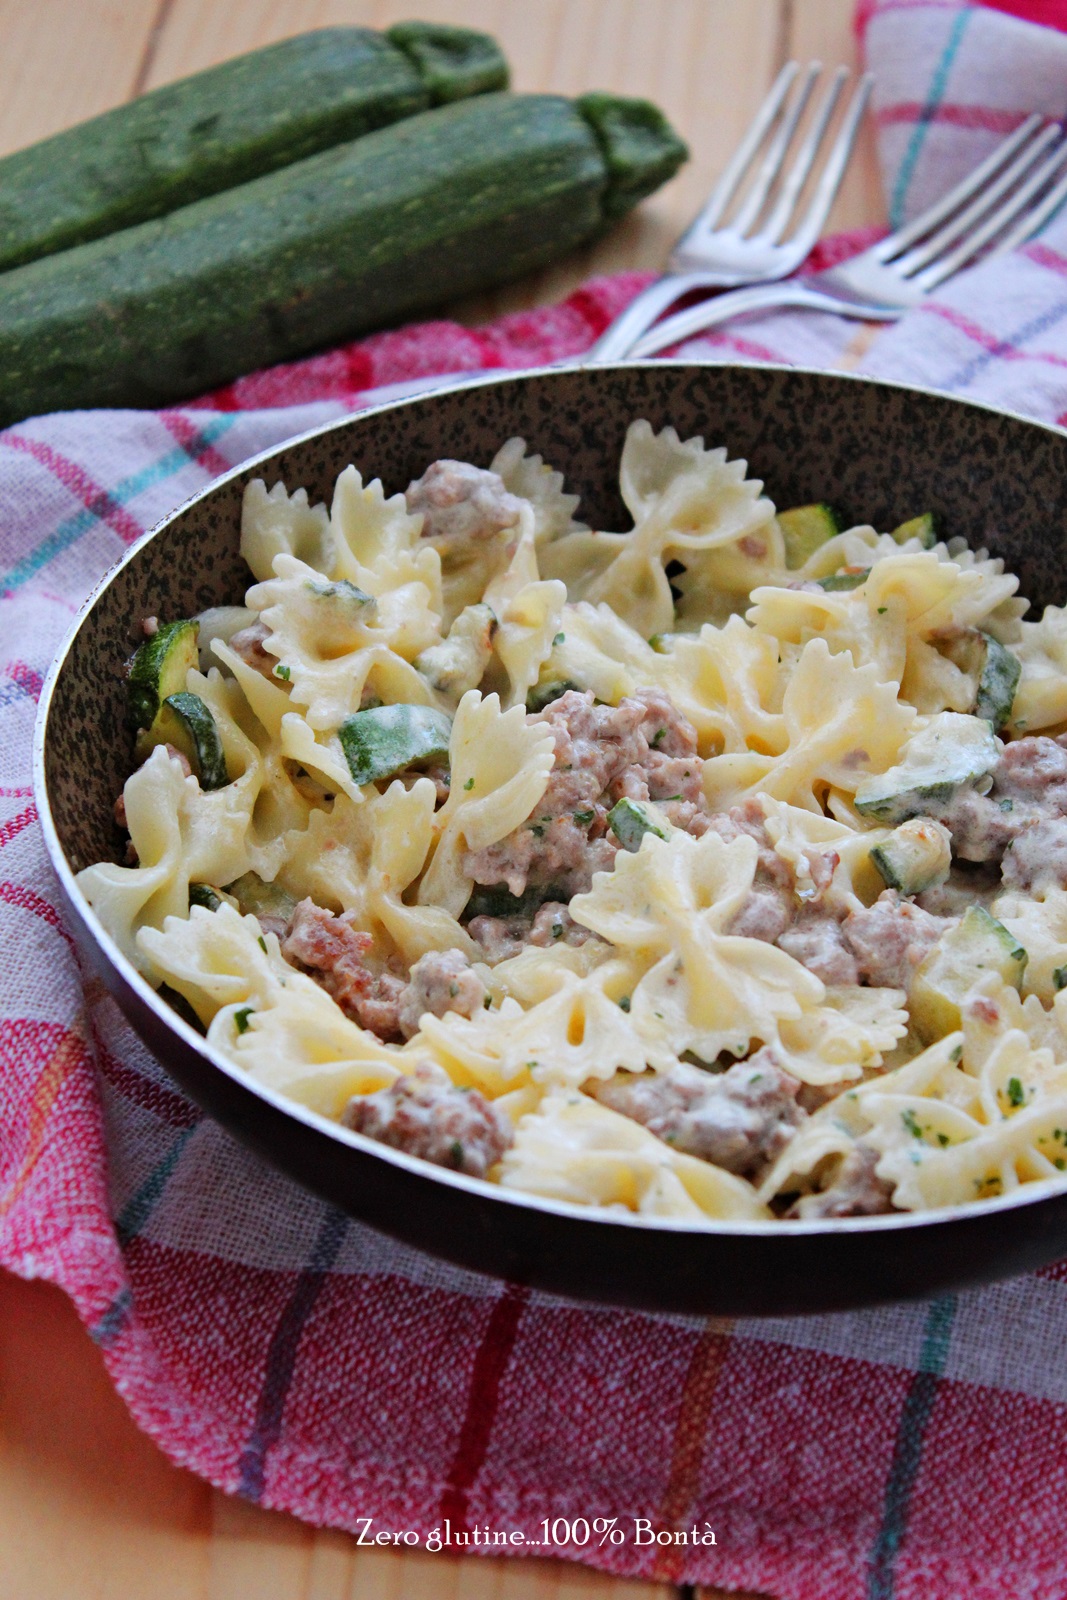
[(702, 990), (361, 860), (574, 1149), (1041, 696), (842, 726), (276, 523), (683, 499), (332, 639), (528, 610), (538, 972), (845, 1037), (272, 1021), (578, 1032), (848, 622), (500, 765), (280, 736), (1040, 926), (376, 542), (528, 478)]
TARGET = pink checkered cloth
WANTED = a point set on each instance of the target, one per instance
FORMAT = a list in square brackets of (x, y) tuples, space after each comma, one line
[(305, 1362)]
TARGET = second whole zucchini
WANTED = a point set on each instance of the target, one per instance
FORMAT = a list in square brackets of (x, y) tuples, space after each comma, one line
[(446, 203), (229, 124)]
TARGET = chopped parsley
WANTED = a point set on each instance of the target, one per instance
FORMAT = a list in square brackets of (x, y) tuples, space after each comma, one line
[(624, 1003), (282, 672), (262, 944), (1016, 1092), (1059, 978), (658, 738), (240, 1019), (560, 637), (469, 784), (582, 818), (910, 1121), (882, 610), (455, 1153)]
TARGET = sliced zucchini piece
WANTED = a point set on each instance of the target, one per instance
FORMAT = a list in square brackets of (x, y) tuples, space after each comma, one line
[(976, 946), (805, 528), (184, 721), (159, 669), (952, 751), (923, 528), (495, 900), (385, 740), (259, 899), (202, 894), (998, 683), (844, 580), (629, 821), (916, 856), (543, 694)]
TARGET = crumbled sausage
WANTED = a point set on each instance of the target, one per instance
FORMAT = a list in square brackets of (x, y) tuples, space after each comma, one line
[(891, 938), (502, 937), (739, 1119), (763, 914), (461, 505), (248, 644), (439, 982), (426, 1115), (817, 942), (856, 1190), (1036, 860), (334, 954), (641, 749)]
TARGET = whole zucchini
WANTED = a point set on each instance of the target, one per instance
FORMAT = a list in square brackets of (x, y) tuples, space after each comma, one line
[(231, 123), (445, 203)]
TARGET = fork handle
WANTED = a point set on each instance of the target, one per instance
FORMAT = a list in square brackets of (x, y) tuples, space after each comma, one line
[(758, 297), (619, 337)]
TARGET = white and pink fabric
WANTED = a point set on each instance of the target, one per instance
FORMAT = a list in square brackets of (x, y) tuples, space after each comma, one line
[(299, 1359)]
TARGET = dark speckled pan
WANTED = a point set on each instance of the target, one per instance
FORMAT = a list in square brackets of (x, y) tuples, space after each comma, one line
[(879, 452)]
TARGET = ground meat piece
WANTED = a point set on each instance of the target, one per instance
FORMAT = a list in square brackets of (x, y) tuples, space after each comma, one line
[(739, 1119), (890, 938), (554, 924), (816, 941), (764, 914), (461, 505), (748, 818), (594, 746), (1034, 768), (855, 1192), (1037, 859), (440, 981), (119, 812), (981, 827), (248, 644), (332, 952), (426, 1115), (499, 938)]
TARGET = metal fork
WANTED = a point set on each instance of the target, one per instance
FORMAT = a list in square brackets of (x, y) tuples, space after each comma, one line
[(710, 256), (1000, 205)]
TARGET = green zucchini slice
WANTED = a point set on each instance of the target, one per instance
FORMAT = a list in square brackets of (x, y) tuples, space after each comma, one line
[(805, 528), (159, 669), (976, 946), (629, 821), (916, 856), (385, 740), (202, 894), (998, 683), (844, 580), (923, 528), (952, 752), (184, 721)]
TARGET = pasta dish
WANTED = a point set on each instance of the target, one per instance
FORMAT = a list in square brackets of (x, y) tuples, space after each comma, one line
[(716, 869)]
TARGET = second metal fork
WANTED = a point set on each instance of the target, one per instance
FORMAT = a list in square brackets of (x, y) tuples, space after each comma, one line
[(754, 247)]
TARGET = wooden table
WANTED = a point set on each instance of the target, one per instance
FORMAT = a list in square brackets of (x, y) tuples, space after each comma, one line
[(88, 1505)]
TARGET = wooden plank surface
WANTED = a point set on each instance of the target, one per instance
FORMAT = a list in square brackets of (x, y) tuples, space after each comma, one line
[(88, 1505)]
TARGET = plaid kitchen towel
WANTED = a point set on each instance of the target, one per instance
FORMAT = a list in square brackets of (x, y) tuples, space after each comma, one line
[(307, 1363)]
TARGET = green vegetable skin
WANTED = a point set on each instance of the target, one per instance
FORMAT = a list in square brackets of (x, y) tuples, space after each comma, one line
[(232, 123), (441, 204), (385, 740), (159, 668)]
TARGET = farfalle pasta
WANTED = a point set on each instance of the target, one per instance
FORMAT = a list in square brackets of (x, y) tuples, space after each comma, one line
[(714, 869)]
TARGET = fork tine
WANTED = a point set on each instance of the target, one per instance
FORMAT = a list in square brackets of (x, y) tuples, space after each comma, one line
[(959, 226), (803, 161), (723, 191), (932, 275), (1032, 222), (834, 171), (917, 229), (771, 164)]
